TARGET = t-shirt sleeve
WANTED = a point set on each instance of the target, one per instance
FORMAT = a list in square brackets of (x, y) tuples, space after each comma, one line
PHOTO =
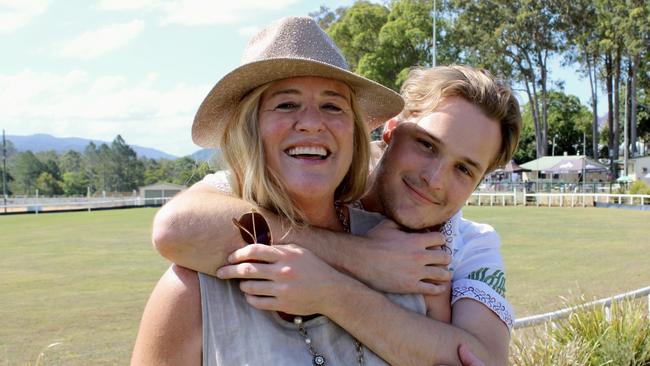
[(219, 180), (480, 273)]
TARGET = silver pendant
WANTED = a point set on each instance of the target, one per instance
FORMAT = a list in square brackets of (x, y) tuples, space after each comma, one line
[(319, 360)]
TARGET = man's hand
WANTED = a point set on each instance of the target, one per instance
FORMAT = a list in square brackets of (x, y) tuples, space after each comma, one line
[(399, 262), (467, 357), (285, 278)]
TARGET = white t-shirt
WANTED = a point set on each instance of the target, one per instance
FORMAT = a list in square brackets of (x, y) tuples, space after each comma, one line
[(476, 265)]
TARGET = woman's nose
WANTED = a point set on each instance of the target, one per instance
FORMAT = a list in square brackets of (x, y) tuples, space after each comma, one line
[(310, 120)]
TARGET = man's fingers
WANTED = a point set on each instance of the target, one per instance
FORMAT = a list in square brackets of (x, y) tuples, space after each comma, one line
[(262, 302), (437, 257), (430, 288), (244, 271), (253, 252), (257, 288), (437, 274), (467, 358)]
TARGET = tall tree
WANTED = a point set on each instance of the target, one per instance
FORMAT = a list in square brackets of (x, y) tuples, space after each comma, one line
[(27, 169), (522, 33), (579, 23), (127, 170)]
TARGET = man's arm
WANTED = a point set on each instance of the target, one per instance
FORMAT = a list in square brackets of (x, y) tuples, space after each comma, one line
[(295, 281), (170, 330), (195, 230)]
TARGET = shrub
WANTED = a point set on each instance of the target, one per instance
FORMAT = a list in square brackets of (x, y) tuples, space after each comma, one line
[(588, 338)]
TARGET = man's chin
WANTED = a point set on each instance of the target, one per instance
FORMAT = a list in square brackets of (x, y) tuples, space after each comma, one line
[(416, 225)]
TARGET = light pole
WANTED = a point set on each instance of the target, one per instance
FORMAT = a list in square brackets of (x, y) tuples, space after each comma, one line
[(433, 55), (4, 171)]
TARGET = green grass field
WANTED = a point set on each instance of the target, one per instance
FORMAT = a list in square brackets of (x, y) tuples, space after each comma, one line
[(80, 280)]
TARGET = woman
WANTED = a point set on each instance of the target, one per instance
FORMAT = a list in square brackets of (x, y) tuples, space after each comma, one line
[(292, 123)]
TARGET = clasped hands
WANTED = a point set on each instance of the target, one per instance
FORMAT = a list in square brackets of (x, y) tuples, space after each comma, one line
[(291, 279)]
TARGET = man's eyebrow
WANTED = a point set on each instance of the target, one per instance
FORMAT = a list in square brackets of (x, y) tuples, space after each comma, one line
[(465, 159)]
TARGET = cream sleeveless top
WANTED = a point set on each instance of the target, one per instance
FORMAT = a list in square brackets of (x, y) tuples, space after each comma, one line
[(235, 333)]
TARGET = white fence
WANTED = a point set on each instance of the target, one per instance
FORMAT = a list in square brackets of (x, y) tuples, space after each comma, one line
[(523, 198), (77, 204), (607, 303)]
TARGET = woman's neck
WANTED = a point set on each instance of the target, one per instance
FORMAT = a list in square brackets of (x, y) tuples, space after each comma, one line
[(321, 213)]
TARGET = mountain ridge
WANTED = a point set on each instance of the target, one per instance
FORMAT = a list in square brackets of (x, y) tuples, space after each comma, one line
[(44, 142)]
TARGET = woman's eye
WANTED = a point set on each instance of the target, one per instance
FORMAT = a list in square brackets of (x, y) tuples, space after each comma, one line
[(287, 106), (332, 108)]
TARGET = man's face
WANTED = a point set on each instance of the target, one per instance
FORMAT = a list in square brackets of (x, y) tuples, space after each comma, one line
[(432, 164)]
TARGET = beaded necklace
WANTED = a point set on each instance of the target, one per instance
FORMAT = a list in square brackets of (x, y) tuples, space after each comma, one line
[(317, 358)]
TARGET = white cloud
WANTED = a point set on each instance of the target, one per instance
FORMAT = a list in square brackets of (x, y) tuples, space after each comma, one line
[(128, 4), (94, 43), (203, 12), (198, 12), (248, 31), (75, 104), (15, 14)]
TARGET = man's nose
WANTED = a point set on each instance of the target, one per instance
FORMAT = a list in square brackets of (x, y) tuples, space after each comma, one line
[(310, 120), (434, 176)]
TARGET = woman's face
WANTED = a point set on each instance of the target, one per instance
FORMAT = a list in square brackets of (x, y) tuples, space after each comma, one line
[(307, 129)]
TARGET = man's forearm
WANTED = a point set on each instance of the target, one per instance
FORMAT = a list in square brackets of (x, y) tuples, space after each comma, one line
[(195, 230), (403, 337)]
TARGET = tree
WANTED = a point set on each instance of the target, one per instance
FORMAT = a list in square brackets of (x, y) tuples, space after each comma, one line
[(48, 185), (127, 171), (382, 42), (568, 120), (579, 21), (325, 17), (74, 183), (522, 33), (70, 161), (27, 169)]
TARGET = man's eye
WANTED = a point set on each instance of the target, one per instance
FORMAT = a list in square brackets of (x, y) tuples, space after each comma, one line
[(463, 169), (426, 144), (287, 106)]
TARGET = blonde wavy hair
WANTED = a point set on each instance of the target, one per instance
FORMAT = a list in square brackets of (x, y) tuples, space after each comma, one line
[(252, 179), (425, 88)]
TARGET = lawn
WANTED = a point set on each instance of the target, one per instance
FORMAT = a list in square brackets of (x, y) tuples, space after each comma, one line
[(553, 252), (80, 280)]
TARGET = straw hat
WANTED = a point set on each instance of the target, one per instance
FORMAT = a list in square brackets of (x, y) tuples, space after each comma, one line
[(289, 47)]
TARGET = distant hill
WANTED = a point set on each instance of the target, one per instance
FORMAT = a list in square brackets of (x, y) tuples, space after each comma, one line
[(43, 142), (203, 154)]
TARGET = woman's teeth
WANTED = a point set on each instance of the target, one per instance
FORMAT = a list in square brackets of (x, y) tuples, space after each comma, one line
[(308, 151)]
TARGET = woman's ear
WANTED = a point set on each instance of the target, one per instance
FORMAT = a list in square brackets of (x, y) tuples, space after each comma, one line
[(389, 126)]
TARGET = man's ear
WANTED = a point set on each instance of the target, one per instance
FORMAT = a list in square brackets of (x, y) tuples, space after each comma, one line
[(388, 129)]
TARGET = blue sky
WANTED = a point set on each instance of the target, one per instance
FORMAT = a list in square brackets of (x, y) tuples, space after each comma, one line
[(139, 68)]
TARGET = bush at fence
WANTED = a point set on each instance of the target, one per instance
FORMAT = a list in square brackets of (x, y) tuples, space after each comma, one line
[(588, 338)]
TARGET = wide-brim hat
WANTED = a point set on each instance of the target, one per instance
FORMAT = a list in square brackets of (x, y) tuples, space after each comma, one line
[(289, 47)]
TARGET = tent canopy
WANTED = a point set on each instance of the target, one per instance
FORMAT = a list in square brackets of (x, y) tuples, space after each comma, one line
[(576, 166), (511, 167)]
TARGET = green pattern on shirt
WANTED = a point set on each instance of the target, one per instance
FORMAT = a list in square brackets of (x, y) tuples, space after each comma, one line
[(497, 280)]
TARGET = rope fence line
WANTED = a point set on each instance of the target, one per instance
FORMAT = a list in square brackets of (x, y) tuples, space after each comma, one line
[(563, 313)]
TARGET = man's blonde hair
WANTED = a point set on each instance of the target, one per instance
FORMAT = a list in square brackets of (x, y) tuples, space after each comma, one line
[(425, 88), (252, 179)]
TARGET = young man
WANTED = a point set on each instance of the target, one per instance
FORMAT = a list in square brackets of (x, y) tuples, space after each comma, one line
[(458, 124)]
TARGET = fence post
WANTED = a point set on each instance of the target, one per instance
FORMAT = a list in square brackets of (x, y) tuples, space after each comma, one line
[(525, 196), (549, 199), (479, 199), (492, 200)]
